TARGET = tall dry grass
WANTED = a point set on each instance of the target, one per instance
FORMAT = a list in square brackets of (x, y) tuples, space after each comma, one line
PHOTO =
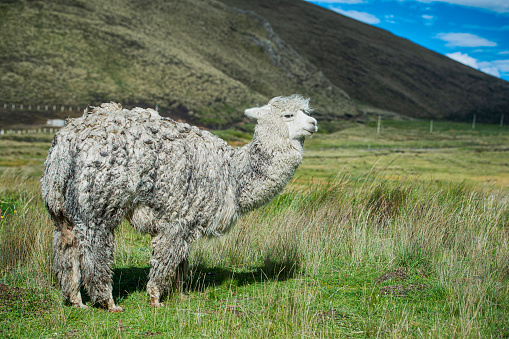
[(25, 232), (455, 235)]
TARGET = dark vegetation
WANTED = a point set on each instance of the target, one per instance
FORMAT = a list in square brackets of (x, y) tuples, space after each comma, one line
[(205, 61), (378, 68), (199, 61)]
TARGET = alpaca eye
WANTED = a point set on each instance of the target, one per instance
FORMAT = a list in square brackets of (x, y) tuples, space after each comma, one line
[(288, 116)]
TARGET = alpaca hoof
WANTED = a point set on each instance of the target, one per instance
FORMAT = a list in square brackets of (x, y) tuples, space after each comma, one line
[(155, 303), (80, 305), (115, 309)]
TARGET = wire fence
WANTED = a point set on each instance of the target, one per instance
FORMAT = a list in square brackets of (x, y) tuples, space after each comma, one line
[(42, 108), (55, 124), (28, 131), (53, 112)]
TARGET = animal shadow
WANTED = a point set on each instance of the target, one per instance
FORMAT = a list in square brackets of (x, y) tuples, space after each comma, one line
[(200, 277)]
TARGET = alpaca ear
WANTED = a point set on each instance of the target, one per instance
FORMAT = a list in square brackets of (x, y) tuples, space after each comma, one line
[(257, 112)]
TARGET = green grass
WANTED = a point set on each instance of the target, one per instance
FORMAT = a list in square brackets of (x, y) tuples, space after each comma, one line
[(378, 254), (453, 152)]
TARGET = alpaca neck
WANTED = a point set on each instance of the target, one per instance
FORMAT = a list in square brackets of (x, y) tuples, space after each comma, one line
[(265, 166)]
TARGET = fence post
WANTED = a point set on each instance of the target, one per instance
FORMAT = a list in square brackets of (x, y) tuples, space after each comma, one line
[(431, 126), (473, 121), (502, 120), (157, 107), (378, 126)]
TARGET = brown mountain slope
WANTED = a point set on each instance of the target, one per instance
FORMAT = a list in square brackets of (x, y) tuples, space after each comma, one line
[(378, 68), (198, 60)]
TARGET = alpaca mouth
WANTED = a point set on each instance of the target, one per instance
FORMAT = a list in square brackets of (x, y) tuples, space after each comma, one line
[(311, 131)]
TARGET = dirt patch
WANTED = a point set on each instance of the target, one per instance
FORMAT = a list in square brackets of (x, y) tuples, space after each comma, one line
[(10, 294), (401, 290), (399, 274), (20, 301)]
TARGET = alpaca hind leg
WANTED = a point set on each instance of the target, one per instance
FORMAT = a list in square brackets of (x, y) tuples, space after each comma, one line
[(96, 264), (66, 266), (169, 260)]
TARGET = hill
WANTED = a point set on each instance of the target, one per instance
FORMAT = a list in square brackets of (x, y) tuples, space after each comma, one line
[(198, 60), (204, 61), (380, 69)]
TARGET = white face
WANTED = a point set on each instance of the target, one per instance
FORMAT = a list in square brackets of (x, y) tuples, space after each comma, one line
[(299, 124)]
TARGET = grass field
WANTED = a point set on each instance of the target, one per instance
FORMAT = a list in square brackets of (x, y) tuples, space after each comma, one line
[(453, 152), (399, 234)]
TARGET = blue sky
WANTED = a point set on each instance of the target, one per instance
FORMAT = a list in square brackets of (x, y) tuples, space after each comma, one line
[(473, 32)]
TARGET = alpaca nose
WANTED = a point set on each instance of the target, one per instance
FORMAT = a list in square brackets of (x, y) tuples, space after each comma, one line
[(313, 122)]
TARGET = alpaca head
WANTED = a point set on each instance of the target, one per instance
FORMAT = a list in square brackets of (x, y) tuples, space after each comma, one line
[(287, 115)]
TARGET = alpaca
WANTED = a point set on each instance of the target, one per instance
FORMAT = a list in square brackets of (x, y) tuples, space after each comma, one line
[(170, 180)]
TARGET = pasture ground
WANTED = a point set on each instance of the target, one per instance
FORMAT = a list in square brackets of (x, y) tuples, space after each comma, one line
[(399, 234)]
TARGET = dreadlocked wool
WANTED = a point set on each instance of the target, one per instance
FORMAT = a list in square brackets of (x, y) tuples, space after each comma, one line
[(170, 180)]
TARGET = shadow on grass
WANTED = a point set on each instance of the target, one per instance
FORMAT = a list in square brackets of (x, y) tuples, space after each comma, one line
[(200, 277)]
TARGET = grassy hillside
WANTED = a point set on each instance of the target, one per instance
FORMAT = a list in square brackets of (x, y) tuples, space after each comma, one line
[(205, 61), (198, 60), (380, 69)]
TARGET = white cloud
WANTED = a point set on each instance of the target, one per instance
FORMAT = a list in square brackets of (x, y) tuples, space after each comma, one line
[(429, 19), (503, 52), (491, 70), (500, 6), (464, 40), (361, 16), (464, 59), (390, 19), (496, 68), (502, 65)]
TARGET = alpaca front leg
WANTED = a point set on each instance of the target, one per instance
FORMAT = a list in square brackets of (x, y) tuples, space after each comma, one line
[(169, 259)]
